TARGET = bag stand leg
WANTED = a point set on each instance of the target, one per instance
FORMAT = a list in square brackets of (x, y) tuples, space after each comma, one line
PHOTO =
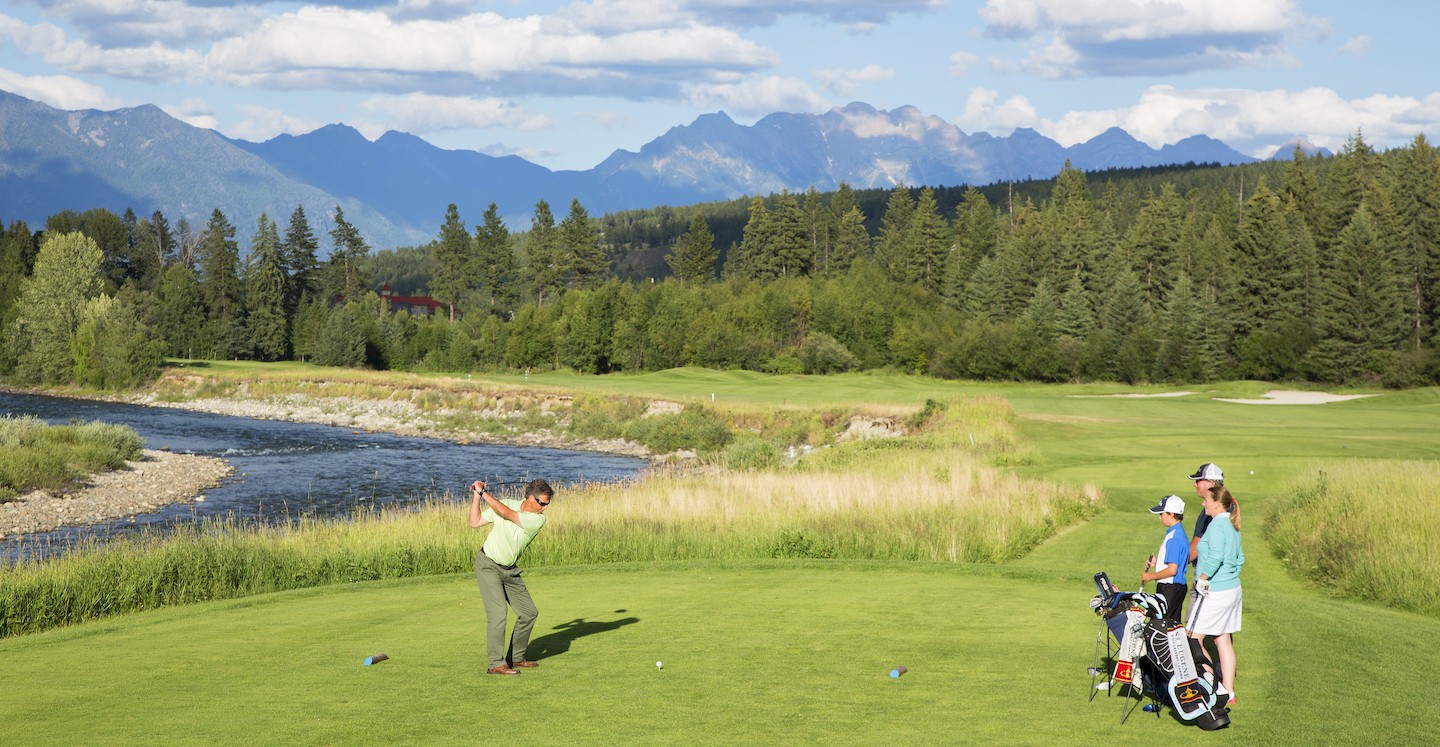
[(1098, 667)]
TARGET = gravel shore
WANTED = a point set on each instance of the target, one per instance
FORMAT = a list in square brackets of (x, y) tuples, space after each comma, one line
[(159, 479)]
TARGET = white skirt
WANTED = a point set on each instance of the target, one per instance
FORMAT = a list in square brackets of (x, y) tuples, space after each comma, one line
[(1216, 614)]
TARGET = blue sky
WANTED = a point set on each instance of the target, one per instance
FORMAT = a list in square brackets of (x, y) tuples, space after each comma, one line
[(564, 84)]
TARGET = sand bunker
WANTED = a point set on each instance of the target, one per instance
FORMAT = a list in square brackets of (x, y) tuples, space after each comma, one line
[(1289, 397)]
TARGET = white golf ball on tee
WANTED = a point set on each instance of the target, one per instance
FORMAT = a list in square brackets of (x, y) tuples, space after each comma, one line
[(658, 665)]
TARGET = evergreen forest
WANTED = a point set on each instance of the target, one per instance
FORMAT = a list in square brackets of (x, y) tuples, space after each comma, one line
[(1321, 269)]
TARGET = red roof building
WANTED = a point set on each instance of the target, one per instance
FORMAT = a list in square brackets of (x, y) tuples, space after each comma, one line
[(416, 305)]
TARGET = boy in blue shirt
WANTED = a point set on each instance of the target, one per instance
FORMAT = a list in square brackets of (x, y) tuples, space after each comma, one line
[(1167, 567)]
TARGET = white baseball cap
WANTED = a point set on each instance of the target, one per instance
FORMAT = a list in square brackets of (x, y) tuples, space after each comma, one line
[(1209, 472), (1170, 504)]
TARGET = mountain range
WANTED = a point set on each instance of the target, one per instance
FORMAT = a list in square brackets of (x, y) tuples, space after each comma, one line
[(396, 188)]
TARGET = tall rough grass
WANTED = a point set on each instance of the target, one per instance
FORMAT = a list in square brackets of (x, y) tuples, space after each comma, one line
[(1367, 530), (931, 497), (37, 456)]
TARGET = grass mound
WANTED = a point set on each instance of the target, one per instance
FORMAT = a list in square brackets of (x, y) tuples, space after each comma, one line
[(37, 456), (1364, 529)]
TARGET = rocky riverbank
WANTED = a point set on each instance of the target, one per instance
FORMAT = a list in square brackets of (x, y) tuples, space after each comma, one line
[(159, 479), (399, 416)]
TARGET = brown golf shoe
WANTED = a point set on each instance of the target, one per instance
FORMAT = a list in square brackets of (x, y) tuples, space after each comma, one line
[(526, 663), (502, 670)]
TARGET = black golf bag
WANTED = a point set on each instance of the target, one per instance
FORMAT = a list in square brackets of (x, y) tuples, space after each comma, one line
[(1154, 657)]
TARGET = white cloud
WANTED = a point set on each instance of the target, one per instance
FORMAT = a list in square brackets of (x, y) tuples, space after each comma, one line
[(984, 111), (49, 43), (607, 118), (59, 91), (1140, 19), (845, 82), (484, 46), (121, 23), (856, 14), (329, 46), (1146, 36), (1165, 114), (961, 62), (533, 155), (422, 112), (1357, 47), (194, 112), (262, 123), (759, 95)]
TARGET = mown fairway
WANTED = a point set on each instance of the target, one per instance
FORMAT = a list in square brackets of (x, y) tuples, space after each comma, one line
[(790, 651)]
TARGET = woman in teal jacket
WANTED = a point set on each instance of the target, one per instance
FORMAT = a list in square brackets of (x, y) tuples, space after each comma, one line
[(1216, 608)]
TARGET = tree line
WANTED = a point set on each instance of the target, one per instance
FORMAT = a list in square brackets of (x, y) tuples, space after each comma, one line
[(1322, 269)]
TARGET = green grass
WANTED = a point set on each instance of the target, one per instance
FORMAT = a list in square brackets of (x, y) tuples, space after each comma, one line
[(37, 456), (760, 652), (798, 650)]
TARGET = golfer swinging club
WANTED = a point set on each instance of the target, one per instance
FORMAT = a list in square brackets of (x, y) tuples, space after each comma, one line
[(516, 523)]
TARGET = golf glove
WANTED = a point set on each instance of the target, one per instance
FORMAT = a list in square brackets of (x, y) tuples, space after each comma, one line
[(1202, 587)]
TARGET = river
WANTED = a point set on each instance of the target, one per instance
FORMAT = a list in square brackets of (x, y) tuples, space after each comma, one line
[(284, 470)]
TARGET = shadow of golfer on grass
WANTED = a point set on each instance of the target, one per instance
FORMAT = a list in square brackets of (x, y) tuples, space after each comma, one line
[(558, 642)]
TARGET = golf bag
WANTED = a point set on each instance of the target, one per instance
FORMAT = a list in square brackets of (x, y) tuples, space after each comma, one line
[(1154, 657)]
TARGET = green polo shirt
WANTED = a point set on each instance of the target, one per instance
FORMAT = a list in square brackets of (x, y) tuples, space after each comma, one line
[(507, 539)]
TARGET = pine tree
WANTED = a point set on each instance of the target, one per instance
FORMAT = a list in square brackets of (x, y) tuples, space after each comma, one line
[(694, 256), (788, 255), (301, 262), (819, 227), (584, 257), (181, 310), (1124, 322), (1076, 318), (220, 272), (987, 296), (495, 270), (977, 232), (452, 258), (1154, 242), (1362, 311), (269, 329), (1302, 188), (1180, 328), (747, 261), (347, 277), (929, 240), (1267, 291), (1043, 309), (1352, 175), (1080, 232), (342, 340), (1414, 186), (544, 262), (891, 245), (852, 242)]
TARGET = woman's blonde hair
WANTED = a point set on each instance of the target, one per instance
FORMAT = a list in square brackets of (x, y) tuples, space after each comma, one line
[(1222, 494)]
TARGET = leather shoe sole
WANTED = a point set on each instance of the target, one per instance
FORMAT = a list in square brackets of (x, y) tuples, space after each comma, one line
[(502, 670)]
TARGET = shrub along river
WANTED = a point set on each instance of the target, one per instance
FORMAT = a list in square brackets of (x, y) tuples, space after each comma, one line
[(284, 470)]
